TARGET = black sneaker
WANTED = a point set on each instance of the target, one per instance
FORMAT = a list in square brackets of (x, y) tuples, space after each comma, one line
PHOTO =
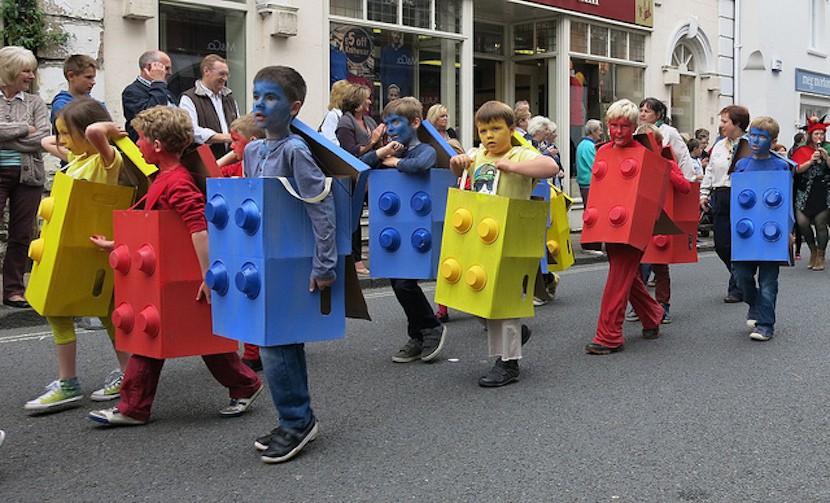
[(502, 373), (433, 343), (409, 353), (284, 444), (262, 443), (651, 333), (666, 314)]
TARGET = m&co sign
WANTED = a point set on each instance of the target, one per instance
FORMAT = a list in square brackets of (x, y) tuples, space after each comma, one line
[(639, 12)]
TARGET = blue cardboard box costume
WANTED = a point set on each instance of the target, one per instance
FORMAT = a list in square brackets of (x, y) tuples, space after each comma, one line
[(762, 215)]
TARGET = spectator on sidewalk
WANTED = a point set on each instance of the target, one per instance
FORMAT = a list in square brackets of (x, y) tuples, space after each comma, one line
[(211, 106), (148, 89)]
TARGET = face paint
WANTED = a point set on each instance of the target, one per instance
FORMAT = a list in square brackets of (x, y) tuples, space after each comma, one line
[(238, 143), (272, 108), (495, 136), (399, 129), (145, 146), (759, 142), (621, 131)]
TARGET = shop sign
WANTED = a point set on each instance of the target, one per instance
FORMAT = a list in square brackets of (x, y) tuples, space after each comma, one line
[(639, 12), (811, 82), (357, 45)]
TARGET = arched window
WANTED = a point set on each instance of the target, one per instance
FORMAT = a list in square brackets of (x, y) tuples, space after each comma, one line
[(683, 94)]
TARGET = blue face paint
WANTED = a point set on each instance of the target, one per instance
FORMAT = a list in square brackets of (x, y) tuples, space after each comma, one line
[(399, 129), (759, 142), (272, 108)]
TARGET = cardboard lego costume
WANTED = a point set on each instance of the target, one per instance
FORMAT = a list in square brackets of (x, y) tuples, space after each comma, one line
[(406, 214), (261, 250), (761, 216), (628, 188), (559, 253), (490, 254), (70, 275)]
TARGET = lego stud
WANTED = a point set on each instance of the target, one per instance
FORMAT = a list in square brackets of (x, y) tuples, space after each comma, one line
[(553, 248), (390, 239), (217, 211), (248, 281), (629, 168), (661, 241), (745, 228), (461, 220), (217, 278), (488, 230), (46, 208), (36, 249), (247, 217), (421, 240), (421, 204), (746, 199), (145, 259), (148, 321), (120, 259), (123, 317), (771, 232), (600, 169), (590, 216), (451, 270), (476, 278), (389, 203), (618, 216), (773, 198)]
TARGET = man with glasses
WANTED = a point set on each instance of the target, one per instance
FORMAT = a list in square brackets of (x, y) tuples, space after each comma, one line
[(211, 105), (148, 89)]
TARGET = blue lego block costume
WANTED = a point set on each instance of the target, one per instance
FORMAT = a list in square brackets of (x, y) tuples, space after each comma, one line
[(541, 191), (762, 215)]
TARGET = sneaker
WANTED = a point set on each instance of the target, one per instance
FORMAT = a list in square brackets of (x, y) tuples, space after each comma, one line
[(751, 318), (552, 286), (262, 443), (255, 365), (58, 393), (761, 333), (526, 333), (502, 373), (751, 323), (631, 315), (666, 315), (539, 301), (111, 389), (239, 406), (598, 349), (433, 343), (651, 333), (410, 352), (284, 444), (89, 323), (2, 436), (114, 417)]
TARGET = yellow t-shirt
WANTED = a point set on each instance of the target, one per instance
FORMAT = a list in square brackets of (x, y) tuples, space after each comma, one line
[(513, 185), (92, 168)]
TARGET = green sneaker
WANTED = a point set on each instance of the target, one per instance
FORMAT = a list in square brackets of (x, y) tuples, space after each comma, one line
[(58, 393), (111, 389)]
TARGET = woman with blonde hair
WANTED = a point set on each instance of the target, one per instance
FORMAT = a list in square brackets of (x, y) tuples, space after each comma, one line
[(328, 127), (439, 116)]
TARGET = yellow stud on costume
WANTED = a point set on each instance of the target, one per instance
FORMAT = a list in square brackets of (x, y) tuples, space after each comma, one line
[(558, 244), (75, 211)]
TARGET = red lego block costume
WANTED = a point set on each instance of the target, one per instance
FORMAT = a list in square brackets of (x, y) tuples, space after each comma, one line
[(156, 279)]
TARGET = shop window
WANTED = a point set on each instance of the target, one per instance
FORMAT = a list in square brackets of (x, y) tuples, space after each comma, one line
[(579, 37), (488, 39), (448, 15), (599, 41), (411, 13), (189, 33), (546, 36), (523, 39), (619, 44), (637, 47), (385, 11), (417, 13), (348, 8)]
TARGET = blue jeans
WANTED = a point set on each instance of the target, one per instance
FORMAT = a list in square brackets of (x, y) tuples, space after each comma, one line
[(285, 370), (761, 298)]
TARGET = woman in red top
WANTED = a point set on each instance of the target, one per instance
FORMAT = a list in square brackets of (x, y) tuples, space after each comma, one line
[(812, 198)]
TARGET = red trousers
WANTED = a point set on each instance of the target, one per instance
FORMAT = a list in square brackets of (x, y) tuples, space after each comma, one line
[(141, 380), (624, 284), (662, 283)]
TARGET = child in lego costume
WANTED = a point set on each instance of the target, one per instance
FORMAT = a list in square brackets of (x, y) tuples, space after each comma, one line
[(164, 132), (84, 130), (761, 296), (624, 282), (517, 168), (407, 154)]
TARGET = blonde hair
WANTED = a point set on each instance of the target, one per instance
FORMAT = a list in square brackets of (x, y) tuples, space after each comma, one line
[(169, 125), (338, 93), (766, 123), (407, 106), (645, 128), (246, 126), (436, 111), (13, 60), (623, 108)]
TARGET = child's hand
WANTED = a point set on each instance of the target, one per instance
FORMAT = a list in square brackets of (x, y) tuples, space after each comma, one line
[(505, 165), (320, 284), (459, 163), (204, 291), (102, 242), (389, 150)]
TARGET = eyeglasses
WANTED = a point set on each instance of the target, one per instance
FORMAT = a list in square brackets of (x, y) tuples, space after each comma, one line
[(221, 74)]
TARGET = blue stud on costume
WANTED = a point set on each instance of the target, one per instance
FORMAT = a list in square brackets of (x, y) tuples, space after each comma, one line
[(762, 215)]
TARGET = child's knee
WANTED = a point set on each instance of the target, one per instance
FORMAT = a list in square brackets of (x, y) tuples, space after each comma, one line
[(63, 328)]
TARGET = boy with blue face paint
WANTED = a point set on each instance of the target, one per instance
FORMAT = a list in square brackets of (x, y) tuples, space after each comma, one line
[(279, 93), (760, 296), (407, 154)]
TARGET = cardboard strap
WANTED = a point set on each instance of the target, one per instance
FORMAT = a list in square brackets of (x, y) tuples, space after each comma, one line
[(311, 200)]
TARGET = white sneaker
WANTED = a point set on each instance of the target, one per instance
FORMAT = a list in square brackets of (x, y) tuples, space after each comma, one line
[(2, 436), (111, 389), (751, 323), (239, 406), (539, 302), (114, 417), (55, 396)]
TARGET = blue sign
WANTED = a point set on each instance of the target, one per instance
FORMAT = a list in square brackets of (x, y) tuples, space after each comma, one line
[(357, 44), (811, 82)]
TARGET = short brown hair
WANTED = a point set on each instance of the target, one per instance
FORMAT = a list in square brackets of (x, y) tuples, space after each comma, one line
[(169, 125), (209, 60), (739, 115), (354, 98), (768, 124), (77, 64), (246, 126), (407, 106), (79, 113), (645, 128), (494, 110), (289, 79)]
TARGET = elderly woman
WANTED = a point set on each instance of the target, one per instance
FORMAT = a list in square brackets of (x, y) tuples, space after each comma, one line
[(24, 121), (543, 131), (439, 116)]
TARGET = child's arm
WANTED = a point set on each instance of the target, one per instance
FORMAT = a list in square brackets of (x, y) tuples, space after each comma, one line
[(102, 242), (539, 167), (374, 158), (200, 245), (678, 180), (50, 144), (99, 135), (419, 160), (228, 158)]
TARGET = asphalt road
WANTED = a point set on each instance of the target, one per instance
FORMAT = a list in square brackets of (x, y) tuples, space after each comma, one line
[(701, 414)]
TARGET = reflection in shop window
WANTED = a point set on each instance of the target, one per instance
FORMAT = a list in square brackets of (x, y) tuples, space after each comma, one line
[(599, 41), (488, 39), (637, 44), (523, 39), (579, 37), (416, 13), (546, 36), (348, 8), (448, 15), (619, 44), (385, 11)]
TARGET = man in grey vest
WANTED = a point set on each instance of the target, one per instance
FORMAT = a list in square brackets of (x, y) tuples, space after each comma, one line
[(211, 105)]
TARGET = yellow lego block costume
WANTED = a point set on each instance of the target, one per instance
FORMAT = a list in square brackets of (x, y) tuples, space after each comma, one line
[(70, 275), (560, 253), (490, 254)]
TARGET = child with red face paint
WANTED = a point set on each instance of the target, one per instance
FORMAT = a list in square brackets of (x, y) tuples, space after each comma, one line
[(624, 281), (243, 131)]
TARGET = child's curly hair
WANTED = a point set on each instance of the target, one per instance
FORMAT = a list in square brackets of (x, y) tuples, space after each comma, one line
[(169, 125)]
